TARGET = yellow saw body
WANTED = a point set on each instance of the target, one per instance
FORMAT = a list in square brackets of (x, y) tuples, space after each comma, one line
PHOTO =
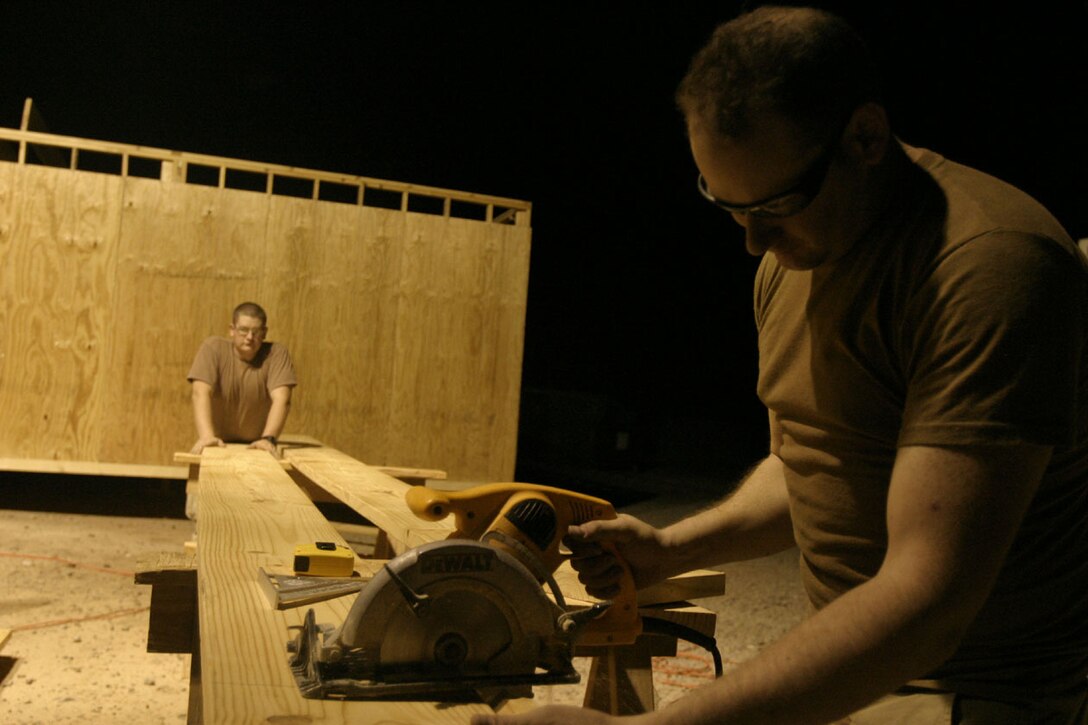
[(469, 613)]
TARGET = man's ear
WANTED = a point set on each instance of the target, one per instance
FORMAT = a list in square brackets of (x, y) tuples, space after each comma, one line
[(868, 133)]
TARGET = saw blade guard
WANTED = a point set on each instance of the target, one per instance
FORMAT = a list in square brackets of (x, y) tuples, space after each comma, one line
[(448, 609)]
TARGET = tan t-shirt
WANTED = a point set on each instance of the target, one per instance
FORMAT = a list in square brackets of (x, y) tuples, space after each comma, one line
[(960, 319), (240, 390)]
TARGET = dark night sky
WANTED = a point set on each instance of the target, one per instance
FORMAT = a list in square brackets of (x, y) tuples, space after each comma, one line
[(640, 291)]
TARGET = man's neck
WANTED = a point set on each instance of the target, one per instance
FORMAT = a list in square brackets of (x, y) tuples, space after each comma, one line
[(882, 189)]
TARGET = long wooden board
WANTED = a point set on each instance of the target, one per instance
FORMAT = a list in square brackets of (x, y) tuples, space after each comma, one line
[(377, 497), (186, 457), (380, 499), (91, 468), (252, 515)]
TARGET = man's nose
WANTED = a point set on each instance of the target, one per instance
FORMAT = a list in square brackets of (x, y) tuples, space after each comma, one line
[(757, 233)]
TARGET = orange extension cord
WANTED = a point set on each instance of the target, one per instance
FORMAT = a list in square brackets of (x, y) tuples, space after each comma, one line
[(81, 565), (686, 670)]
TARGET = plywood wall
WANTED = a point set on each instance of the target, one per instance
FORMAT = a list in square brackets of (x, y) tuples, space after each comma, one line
[(406, 328)]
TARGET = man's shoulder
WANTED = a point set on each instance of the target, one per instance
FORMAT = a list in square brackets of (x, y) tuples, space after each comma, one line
[(209, 359), (215, 344), (978, 204)]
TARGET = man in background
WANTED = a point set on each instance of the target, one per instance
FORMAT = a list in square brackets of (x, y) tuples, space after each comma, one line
[(241, 385)]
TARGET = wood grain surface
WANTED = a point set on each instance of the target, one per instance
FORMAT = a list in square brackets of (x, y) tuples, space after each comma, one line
[(252, 515)]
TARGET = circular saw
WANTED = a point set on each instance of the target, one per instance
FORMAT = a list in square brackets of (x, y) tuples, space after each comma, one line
[(469, 613)]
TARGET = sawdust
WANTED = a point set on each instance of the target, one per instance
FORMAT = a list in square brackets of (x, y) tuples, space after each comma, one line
[(77, 651)]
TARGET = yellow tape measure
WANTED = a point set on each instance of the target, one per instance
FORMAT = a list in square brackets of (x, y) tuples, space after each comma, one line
[(324, 558)]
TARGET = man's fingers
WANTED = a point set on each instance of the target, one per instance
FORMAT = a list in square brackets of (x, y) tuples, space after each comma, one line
[(582, 550), (595, 566), (599, 530), (200, 445)]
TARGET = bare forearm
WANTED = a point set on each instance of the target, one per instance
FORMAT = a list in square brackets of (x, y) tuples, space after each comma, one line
[(202, 414), (752, 522), (277, 415), (862, 646), (949, 530)]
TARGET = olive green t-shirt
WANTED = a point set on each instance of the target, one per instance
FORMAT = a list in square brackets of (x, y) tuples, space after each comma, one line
[(960, 318)]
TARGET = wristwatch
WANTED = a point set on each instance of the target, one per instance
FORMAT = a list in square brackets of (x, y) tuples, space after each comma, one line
[(270, 439)]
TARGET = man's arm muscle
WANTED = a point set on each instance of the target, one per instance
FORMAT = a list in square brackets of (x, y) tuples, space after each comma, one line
[(952, 516)]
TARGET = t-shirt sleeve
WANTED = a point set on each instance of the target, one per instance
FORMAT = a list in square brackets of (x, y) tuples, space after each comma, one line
[(281, 371), (204, 365), (994, 344)]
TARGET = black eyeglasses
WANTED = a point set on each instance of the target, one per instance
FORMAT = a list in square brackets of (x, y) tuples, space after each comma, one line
[(789, 202)]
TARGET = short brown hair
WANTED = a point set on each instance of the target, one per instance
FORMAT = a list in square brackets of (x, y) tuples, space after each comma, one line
[(250, 309), (808, 65)]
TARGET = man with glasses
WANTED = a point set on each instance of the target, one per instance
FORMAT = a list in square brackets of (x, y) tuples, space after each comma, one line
[(922, 331), (241, 385)]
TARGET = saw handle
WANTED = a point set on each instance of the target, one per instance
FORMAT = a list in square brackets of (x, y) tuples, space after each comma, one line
[(621, 623), (475, 509), (480, 509)]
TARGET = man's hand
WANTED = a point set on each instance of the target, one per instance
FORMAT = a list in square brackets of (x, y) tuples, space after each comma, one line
[(549, 715), (265, 445), (636, 542), (210, 442)]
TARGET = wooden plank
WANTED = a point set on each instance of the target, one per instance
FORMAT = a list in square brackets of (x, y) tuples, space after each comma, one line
[(621, 681), (358, 258), (456, 388), (150, 152), (375, 496), (33, 121), (509, 306), (252, 515), (189, 458), (91, 468), (169, 567), (177, 242), (698, 584), (57, 258), (692, 616), (380, 499)]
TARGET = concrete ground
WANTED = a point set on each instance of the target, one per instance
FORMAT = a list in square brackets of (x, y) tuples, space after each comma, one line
[(78, 624)]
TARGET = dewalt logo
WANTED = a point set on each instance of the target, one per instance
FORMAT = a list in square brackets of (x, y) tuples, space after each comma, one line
[(455, 563)]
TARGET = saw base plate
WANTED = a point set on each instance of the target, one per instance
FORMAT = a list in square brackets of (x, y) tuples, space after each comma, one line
[(318, 681)]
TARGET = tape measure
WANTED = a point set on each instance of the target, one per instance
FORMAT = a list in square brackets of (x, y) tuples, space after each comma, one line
[(324, 558)]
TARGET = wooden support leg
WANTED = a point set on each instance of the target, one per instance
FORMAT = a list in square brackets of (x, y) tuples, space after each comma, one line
[(382, 548), (196, 694), (621, 680), (173, 619), (192, 485), (174, 622)]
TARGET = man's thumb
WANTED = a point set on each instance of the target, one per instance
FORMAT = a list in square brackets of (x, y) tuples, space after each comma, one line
[(600, 530)]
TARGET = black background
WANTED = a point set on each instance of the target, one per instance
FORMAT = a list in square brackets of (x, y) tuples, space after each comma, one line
[(639, 320)]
